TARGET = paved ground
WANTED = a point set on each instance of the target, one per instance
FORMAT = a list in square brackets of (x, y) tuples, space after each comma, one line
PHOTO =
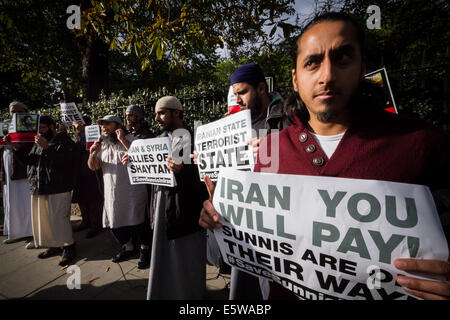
[(23, 275)]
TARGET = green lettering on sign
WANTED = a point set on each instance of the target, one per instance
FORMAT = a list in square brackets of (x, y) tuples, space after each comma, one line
[(280, 229), (284, 201), (234, 187), (411, 213), (354, 234), (260, 223), (230, 214), (386, 248), (319, 236), (375, 207), (255, 195), (331, 204)]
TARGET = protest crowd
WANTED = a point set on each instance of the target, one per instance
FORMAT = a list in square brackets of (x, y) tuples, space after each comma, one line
[(332, 126)]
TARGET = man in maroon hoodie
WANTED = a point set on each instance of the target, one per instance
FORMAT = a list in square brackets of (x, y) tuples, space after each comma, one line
[(340, 132)]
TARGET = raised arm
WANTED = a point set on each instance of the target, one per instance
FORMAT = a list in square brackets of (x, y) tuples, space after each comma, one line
[(93, 161)]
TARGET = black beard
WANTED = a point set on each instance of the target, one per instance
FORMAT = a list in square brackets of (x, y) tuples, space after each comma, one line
[(257, 106), (110, 139), (326, 116), (133, 126), (48, 135)]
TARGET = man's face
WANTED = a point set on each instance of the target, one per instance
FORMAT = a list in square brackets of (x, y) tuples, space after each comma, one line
[(247, 96), (47, 131), (132, 119), (329, 68), (108, 128), (43, 129), (27, 121), (165, 120)]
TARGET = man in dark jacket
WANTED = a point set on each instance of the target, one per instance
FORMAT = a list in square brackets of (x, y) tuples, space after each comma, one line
[(179, 244), (267, 111), (137, 127), (136, 124), (88, 187), (50, 174)]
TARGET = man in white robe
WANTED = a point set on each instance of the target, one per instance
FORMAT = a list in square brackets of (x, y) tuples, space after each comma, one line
[(16, 189), (124, 203)]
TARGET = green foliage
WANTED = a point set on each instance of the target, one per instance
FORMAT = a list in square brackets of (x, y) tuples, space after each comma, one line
[(413, 45), (183, 32), (175, 42), (204, 102), (224, 70), (37, 52), (276, 63)]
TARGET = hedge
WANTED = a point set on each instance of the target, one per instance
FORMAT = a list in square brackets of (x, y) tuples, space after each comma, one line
[(203, 102)]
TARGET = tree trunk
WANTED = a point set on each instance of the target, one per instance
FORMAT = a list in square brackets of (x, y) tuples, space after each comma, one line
[(445, 94), (94, 67), (423, 64)]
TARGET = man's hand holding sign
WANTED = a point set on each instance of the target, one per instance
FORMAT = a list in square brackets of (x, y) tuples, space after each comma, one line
[(209, 217), (174, 165), (41, 141), (425, 289)]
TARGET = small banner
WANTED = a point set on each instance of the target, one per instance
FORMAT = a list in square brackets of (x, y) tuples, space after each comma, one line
[(23, 127), (223, 144), (233, 106), (269, 82), (380, 78), (70, 113), (92, 134), (4, 126), (148, 162)]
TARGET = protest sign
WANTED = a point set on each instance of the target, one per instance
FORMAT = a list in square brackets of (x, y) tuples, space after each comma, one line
[(4, 125), (92, 134), (233, 106), (148, 162), (223, 143), (70, 113), (326, 238), (23, 127), (269, 82), (380, 78)]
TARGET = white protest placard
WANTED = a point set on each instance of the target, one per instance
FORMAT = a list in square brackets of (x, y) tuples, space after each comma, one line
[(148, 162), (223, 144), (23, 127), (380, 78), (233, 106), (269, 82), (70, 113), (92, 134), (326, 238), (4, 125)]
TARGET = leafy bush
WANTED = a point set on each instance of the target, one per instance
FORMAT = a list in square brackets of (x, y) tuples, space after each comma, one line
[(203, 102)]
